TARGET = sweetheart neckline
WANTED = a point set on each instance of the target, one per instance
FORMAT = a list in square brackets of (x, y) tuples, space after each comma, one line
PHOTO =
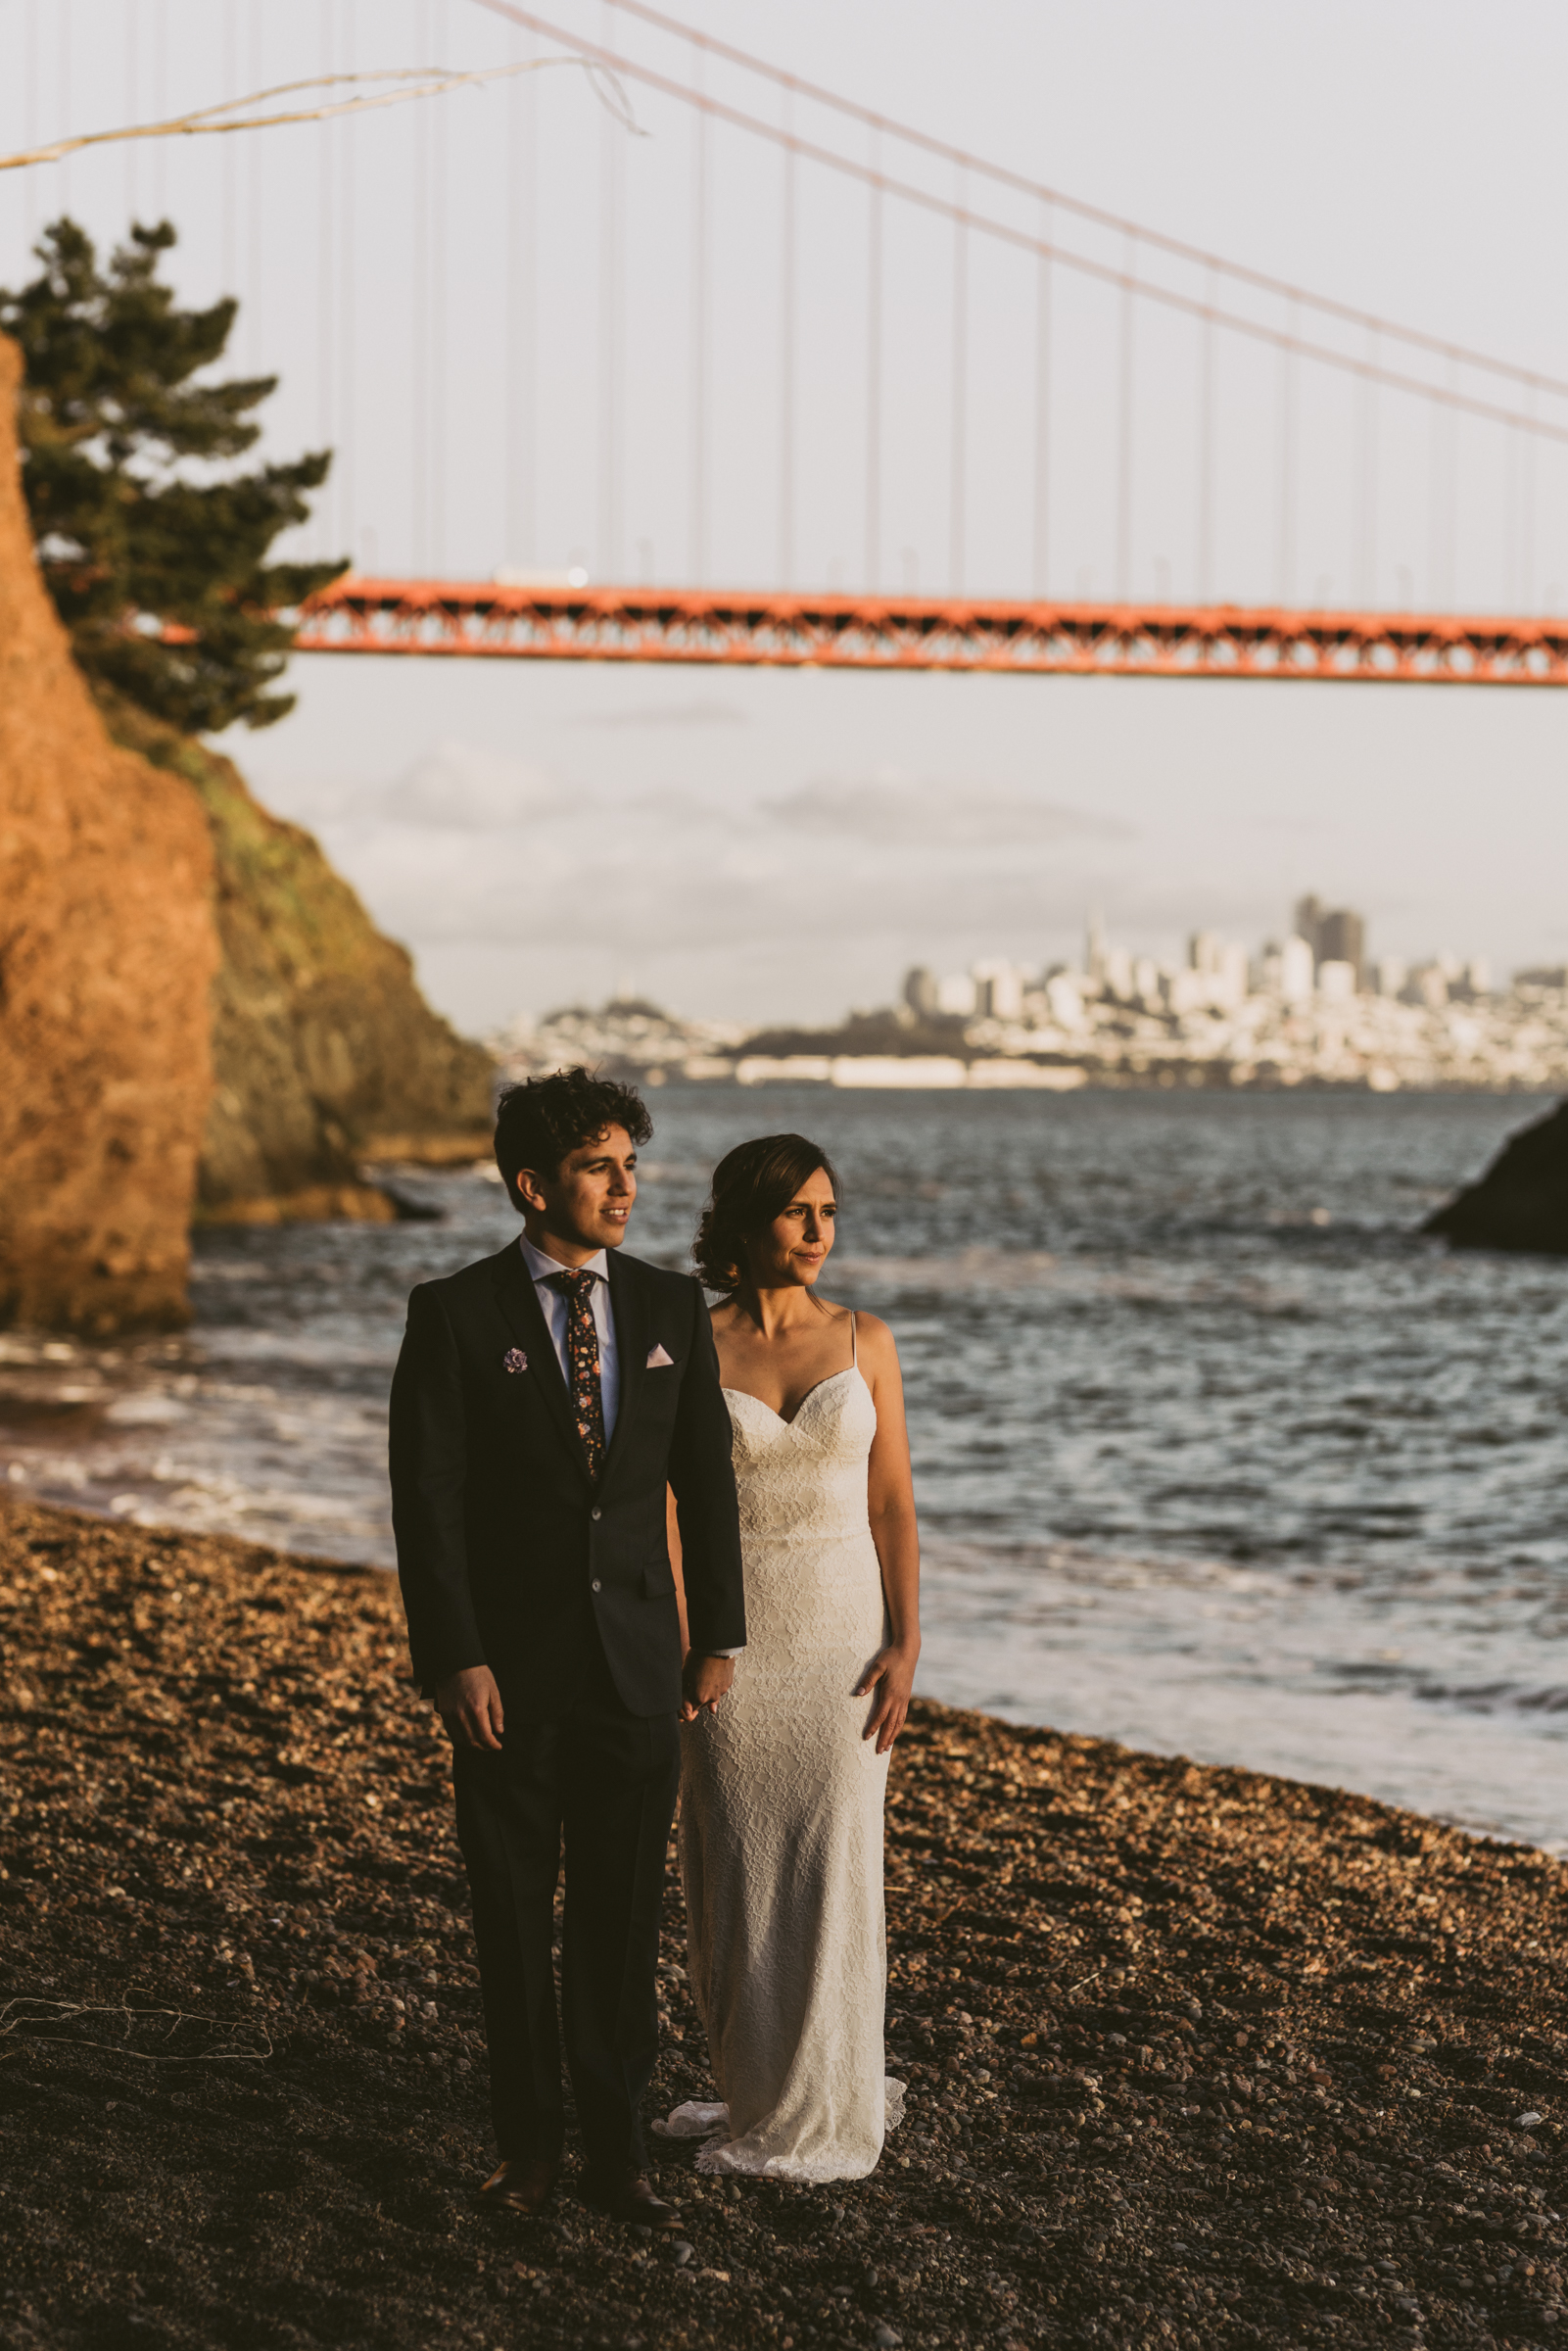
[(806, 1399)]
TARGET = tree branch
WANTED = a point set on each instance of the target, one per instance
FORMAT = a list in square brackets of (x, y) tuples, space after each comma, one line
[(414, 81)]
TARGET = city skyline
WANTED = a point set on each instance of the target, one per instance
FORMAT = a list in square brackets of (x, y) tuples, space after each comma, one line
[(1320, 951), (1281, 1017)]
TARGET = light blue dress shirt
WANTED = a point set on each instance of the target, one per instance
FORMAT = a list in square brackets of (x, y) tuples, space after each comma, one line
[(553, 1302)]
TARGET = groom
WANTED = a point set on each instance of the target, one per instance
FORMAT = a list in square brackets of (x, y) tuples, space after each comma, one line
[(542, 1401)]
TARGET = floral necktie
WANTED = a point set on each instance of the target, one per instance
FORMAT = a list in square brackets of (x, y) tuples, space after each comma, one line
[(582, 1367)]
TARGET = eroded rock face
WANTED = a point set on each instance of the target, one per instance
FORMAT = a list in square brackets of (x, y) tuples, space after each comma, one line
[(325, 1052), (108, 949), (1521, 1202)]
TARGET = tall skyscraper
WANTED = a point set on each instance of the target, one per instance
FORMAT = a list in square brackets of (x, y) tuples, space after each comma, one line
[(1335, 935), (1309, 915), (1341, 938)]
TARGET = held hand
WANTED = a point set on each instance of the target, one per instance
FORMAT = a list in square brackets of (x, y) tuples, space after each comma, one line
[(703, 1682), (891, 1674), (469, 1705)]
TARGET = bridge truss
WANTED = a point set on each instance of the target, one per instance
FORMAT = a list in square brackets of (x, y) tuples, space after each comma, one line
[(773, 629)]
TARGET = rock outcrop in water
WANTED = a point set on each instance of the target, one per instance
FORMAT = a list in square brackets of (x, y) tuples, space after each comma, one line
[(107, 952), (1521, 1202), (325, 1052)]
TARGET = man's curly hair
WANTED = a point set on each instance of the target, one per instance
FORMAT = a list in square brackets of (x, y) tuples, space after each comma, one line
[(538, 1123)]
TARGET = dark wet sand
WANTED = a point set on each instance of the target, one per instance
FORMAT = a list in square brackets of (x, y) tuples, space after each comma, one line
[(1196, 2056)]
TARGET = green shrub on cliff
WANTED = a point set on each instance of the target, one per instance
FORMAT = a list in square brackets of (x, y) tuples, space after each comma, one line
[(161, 576), (325, 1052)]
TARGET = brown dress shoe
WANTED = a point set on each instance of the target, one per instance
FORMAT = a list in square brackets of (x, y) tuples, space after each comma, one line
[(522, 2184), (627, 2196)]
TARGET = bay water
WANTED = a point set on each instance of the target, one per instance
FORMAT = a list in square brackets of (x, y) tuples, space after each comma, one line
[(1214, 1454)]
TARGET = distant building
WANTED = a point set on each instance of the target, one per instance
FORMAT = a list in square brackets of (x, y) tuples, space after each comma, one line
[(1389, 975), (1341, 938), (957, 995), (1222, 967), (1232, 975), (1297, 970), (1064, 1003), (1310, 913), (1334, 933), (998, 992), (921, 992), (1185, 991), (1336, 981), (1146, 988), (1117, 975), (1427, 985)]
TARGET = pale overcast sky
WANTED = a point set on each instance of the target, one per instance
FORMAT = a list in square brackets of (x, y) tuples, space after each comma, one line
[(756, 845)]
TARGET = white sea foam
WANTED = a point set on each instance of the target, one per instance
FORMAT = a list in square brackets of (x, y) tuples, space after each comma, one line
[(1417, 1694)]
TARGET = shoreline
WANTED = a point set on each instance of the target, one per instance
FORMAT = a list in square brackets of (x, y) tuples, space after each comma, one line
[(1195, 2055), (1015, 1076)]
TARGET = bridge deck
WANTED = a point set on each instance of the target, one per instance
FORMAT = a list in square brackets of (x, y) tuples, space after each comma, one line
[(482, 620)]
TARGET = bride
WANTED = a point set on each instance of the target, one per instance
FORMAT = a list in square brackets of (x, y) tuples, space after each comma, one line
[(783, 1786)]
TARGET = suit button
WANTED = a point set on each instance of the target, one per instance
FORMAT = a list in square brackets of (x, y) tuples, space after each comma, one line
[(595, 1512), (598, 1586)]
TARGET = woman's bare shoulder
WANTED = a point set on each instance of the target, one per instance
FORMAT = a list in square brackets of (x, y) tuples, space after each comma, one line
[(875, 1336)]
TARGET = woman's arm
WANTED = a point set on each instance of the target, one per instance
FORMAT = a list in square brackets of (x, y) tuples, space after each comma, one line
[(890, 1501), (671, 1536)]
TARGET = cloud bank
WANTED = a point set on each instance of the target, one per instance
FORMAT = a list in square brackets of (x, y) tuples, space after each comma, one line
[(470, 844)]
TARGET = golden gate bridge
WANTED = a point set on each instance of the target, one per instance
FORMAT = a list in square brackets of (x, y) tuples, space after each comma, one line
[(1247, 366)]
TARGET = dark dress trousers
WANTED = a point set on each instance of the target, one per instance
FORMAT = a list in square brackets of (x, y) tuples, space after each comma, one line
[(511, 1556)]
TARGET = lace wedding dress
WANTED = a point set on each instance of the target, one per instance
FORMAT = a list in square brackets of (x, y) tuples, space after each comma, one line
[(781, 1814)]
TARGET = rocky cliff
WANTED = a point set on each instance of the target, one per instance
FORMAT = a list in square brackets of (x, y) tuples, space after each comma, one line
[(325, 1052), (1521, 1202), (107, 951)]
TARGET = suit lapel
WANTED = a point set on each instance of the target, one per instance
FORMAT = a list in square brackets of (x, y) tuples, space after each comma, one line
[(525, 1318), (629, 1306)]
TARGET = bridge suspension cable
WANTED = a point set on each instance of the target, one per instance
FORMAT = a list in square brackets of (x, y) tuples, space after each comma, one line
[(966, 216), (1022, 184)]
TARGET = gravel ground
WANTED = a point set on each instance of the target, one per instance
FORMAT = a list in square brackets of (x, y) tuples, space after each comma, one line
[(1195, 2056)]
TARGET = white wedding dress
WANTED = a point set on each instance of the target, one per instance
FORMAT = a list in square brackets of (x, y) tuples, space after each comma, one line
[(781, 1814)]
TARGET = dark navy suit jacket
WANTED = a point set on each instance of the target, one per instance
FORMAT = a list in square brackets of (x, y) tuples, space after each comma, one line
[(509, 1553)]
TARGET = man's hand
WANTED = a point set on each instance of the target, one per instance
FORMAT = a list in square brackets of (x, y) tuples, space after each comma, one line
[(703, 1682), (469, 1705)]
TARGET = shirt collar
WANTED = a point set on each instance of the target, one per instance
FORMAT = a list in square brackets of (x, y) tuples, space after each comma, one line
[(546, 1269)]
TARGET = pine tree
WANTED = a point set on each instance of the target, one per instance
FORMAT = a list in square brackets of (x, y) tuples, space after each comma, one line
[(158, 568)]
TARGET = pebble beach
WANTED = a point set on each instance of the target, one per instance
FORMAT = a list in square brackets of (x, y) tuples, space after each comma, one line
[(1196, 2056)]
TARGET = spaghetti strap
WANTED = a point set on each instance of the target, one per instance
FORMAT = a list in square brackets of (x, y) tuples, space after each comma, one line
[(854, 1343)]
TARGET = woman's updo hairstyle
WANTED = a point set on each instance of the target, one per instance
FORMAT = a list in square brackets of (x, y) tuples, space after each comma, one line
[(751, 1185)]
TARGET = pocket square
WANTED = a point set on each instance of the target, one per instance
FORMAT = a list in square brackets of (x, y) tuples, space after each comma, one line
[(659, 1360), (514, 1359)]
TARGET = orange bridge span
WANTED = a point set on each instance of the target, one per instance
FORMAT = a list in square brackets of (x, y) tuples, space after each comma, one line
[(481, 620)]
